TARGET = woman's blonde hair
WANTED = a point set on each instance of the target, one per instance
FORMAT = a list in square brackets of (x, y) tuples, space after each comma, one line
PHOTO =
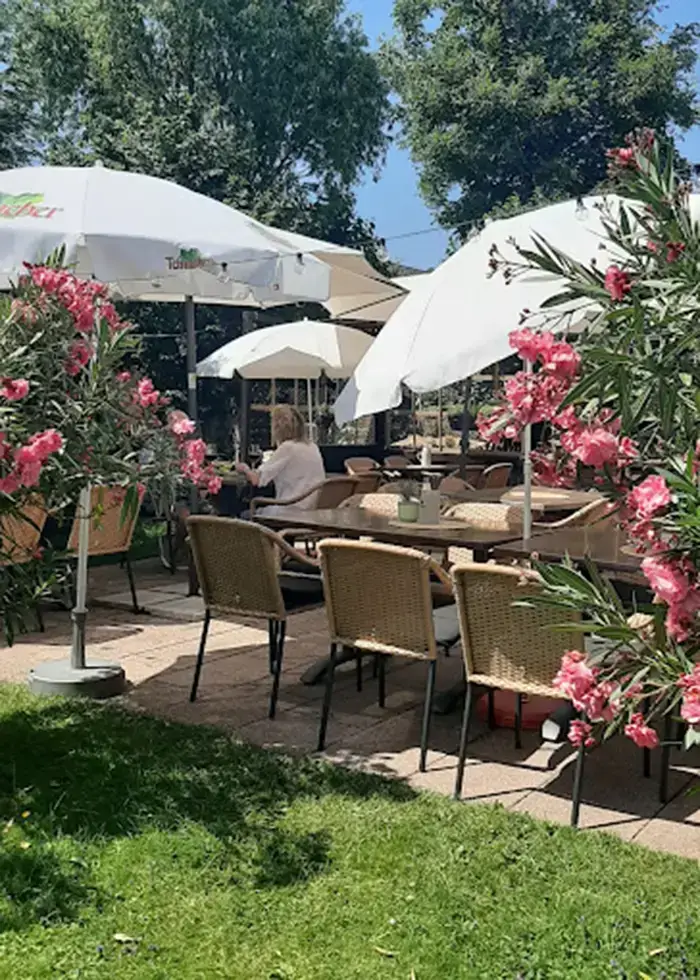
[(287, 424)]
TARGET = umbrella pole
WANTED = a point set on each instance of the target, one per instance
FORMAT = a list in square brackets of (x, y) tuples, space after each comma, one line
[(466, 427), (73, 677), (79, 613), (191, 340), (191, 359), (310, 397), (527, 473)]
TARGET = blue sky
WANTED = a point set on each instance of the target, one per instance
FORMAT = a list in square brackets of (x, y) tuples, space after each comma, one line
[(394, 203)]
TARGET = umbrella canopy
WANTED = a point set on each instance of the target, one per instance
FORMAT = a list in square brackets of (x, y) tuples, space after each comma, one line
[(148, 238), (457, 321), (359, 310), (354, 286), (305, 349)]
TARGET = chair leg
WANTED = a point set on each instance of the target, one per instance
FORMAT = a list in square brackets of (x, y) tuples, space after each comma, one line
[(382, 681), (330, 674), (358, 672), (466, 718), (39, 618), (665, 759), (427, 711), (518, 720), (132, 586), (200, 655), (272, 627), (375, 666), (279, 654), (492, 709), (578, 783)]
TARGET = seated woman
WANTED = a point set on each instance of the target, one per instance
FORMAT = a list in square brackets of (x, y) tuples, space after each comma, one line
[(296, 465)]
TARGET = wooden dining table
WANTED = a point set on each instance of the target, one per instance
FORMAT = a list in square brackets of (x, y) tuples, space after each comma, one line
[(354, 522)]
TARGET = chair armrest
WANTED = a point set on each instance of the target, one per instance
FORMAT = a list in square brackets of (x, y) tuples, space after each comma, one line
[(291, 552), (270, 501), (440, 574)]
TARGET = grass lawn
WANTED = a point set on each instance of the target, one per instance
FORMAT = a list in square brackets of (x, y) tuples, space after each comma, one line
[(130, 848)]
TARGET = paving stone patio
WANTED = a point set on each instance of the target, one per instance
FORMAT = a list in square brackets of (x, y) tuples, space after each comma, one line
[(158, 649)]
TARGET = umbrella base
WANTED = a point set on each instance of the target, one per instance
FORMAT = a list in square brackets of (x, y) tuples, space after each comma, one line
[(98, 679)]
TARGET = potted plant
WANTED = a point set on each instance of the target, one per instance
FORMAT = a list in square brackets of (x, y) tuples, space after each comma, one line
[(409, 505), (623, 405)]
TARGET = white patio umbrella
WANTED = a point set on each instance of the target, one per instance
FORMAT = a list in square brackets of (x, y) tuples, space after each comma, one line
[(303, 349), (457, 321), (146, 238)]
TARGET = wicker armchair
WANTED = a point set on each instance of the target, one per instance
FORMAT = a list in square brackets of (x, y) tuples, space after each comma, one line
[(393, 618), (20, 536), (496, 476), (111, 531), (395, 462), (508, 647), (330, 493), (381, 504), (492, 517), (360, 464), (597, 512), (240, 574), (368, 482), (454, 484)]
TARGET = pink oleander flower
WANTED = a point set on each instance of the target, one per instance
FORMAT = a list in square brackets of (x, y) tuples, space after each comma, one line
[(47, 442), (617, 283), (9, 484), (180, 425), (627, 451), (78, 357), (595, 446), (690, 707), (575, 678), (622, 157), (643, 736), (597, 702), (14, 389), (567, 419), (123, 377), (146, 394), (28, 466), (486, 426), (681, 616), (562, 360), (649, 497), (530, 345), (581, 733), (674, 250), (550, 472), (667, 579)]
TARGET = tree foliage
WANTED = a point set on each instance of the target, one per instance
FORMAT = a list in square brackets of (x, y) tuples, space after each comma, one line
[(275, 107), (513, 102)]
